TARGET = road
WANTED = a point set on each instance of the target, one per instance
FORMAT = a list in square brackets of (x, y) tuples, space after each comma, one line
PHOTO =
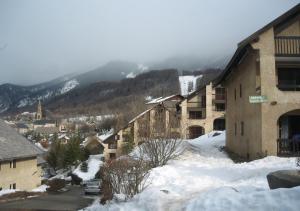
[(73, 199)]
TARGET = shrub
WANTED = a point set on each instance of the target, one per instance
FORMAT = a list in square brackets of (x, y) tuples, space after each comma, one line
[(126, 176), (159, 151), (56, 184)]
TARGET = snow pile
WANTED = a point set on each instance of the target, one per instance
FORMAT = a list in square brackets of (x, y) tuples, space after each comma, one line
[(42, 188), (205, 178), (188, 84), (94, 163), (7, 191), (69, 85)]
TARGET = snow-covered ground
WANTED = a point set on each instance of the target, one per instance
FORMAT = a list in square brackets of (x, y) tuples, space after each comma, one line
[(6, 191), (188, 84), (94, 163), (69, 85), (204, 178)]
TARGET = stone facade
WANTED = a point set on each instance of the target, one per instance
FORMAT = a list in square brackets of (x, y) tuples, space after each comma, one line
[(201, 110), (24, 175), (254, 130)]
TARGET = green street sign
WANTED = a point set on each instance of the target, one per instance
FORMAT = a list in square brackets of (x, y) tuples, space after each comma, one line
[(258, 99)]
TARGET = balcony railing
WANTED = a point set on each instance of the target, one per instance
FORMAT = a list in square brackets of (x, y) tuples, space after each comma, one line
[(219, 97), (287, 46), (288, 147)]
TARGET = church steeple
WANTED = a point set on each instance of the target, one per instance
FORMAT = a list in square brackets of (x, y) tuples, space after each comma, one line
[(39, 113)]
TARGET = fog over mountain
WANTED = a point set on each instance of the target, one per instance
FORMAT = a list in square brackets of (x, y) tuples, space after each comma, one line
[(41, 40)]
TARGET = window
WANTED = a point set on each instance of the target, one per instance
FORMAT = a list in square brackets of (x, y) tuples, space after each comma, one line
[(13, 186), (242, 128), (126, 137), (195, 114), (112, 145), (240, 90), (235, 94), (220, 93), (112, 156), (13, 164), (235, 129), (117, 137), (203, 101), (288, 79), (220, 107)]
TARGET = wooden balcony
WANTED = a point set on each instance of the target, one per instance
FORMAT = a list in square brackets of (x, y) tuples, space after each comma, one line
[(288, 148), (287, 46)]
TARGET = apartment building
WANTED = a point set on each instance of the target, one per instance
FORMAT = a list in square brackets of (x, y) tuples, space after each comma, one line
[(161, 119), (262, 82), (203, 111), (18, 161)]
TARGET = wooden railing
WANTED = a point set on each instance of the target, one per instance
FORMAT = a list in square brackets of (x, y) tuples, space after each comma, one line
[(288, 147), (287, 46)]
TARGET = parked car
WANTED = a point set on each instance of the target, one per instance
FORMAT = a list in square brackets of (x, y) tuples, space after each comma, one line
[(92, 187)]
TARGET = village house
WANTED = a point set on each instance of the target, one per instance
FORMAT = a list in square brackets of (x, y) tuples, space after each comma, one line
[(93, 145), (161, 119), (18, 161), (203, 111), (262, 82)]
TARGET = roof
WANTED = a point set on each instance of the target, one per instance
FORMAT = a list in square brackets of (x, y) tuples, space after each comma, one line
[(21, 125), (13, 145), (44, 121), (245, 44), (47, 130), (163, 99)]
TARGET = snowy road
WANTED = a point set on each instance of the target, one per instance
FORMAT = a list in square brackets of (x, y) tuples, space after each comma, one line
[(204, 178)]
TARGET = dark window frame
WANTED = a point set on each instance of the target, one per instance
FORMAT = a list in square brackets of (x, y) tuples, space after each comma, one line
[(195, 115), (242, 128), (241, 92)]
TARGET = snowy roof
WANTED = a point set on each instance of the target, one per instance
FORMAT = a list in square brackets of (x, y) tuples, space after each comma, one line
[(140, 115), (13, 145), (103, 137), (162, 99)]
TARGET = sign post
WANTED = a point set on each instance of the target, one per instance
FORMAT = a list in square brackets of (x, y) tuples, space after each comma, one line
[(258, 99)]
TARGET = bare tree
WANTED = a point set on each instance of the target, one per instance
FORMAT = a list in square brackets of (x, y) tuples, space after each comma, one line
[(158, 141), (126, 176)]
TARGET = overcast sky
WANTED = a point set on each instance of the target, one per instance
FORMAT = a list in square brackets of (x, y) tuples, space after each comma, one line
[(43, 39)]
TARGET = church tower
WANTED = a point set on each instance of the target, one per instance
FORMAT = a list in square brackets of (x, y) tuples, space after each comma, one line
[(39, 113)]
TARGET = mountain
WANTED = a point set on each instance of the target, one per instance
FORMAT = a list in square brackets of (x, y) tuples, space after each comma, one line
[(15, 97), (191, 62), (122, 96)]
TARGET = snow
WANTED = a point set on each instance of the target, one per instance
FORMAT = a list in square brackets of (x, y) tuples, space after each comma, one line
[(6, 191), (184, 82), (143, 67), (41, 147), (205, 178), (42, 188), (160, 99), (104, 136), (94, 163), (69, 85), (131, 75)]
